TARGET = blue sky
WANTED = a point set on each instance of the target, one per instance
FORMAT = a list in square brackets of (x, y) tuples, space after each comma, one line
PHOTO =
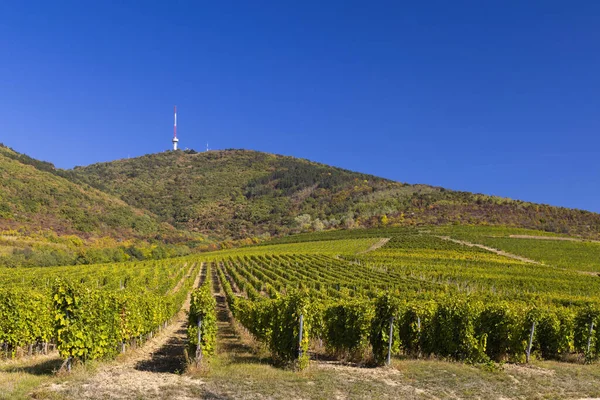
[(496, 97)]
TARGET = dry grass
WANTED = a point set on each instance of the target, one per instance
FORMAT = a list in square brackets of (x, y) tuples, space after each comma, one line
[(19, 378), (248, 374)]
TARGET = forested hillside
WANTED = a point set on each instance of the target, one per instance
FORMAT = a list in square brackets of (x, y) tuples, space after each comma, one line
[(46, 219), (35, 198), (240, 193)]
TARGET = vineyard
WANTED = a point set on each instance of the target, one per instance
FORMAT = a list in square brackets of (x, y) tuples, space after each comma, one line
[(349, 296), (92, 312), (436, 298)]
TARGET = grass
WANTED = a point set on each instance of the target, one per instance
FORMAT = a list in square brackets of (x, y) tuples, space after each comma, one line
[(229, 376), (418, 379), (19, 378), (265, 381), (542, 380)]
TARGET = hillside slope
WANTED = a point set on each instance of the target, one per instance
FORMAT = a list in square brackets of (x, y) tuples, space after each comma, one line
[(34, 197), (240, 193)]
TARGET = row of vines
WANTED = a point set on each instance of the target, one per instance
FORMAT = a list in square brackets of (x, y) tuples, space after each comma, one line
[(324, 302), (202, 320), (86, 320)]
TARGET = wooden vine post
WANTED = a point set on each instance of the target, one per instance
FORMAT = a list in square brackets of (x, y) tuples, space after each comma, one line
[(528, 354), (589, 343), (199, 346), (390, 340), (69, 360), (300, 336)]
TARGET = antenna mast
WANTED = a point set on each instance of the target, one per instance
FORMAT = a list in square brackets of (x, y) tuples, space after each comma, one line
[(175, 140)]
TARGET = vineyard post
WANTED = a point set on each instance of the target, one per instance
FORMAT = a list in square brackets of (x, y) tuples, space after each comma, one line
[(300, 336), (528, 354), (69, 358), (589, 343), (199, 346), (391, 338)]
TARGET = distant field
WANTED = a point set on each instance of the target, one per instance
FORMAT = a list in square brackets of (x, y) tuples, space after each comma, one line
[(580, 256), (475, 232), (339, 246), (569, 254)]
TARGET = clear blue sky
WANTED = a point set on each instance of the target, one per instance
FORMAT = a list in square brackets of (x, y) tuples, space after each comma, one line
[(497, 97)]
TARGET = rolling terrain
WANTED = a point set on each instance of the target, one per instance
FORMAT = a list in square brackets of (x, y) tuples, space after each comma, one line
[(236, 194), (174, 201), (478, 304)]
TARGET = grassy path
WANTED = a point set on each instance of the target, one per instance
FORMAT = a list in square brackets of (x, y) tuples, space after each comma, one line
[(382, 242), (230, 345)]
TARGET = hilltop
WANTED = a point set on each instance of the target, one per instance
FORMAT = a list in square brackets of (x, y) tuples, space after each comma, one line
[(241, 193)]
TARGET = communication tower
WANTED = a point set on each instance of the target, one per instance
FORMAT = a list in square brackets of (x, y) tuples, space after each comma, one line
[(175, 140)]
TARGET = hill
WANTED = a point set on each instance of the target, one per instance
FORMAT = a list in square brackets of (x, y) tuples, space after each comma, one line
[(241, 193), (47, 219)]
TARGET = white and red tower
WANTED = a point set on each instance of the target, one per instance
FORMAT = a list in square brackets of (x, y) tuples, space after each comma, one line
[(175, 140)]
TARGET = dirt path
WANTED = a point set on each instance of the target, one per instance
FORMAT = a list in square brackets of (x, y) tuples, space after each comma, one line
[(382, 242), (229, 342), (150, 372), (491, 249)]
